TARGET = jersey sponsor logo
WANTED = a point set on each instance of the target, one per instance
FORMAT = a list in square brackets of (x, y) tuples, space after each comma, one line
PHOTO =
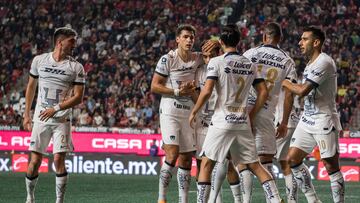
[(181, 106), (272, 57), (271, 63), (318, 74), (227, 70), (210, 68), (242, 72), (53, 70), (184, 68), (306, 121), (235, 119)]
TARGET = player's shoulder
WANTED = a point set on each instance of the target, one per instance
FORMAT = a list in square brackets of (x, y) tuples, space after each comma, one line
[(324, 60), (73, 61), (42, 57)]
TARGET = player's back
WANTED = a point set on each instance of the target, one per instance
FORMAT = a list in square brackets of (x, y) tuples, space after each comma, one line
[(274, 65), (234, 74)]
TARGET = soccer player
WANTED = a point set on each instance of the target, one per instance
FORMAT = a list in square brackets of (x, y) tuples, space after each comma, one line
[(319, 123), (61, 86), (232, 75), (283, 143), (174, 79), (210, 50), (274, 65)]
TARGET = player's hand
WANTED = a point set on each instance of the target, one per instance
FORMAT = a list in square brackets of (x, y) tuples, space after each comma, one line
[(187, 88), (209, 45), (27, 123), (192, 119), (46, 114), (281, 131)]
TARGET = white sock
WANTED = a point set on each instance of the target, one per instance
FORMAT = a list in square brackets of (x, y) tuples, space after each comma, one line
[(303, 179), (291, 189), (246, 185), (271, 191), (203, 191), (30, 187), (217, 178), (183, 178), (337, 187), (165, 176), (61, 181), (235, 189), (269, 167)]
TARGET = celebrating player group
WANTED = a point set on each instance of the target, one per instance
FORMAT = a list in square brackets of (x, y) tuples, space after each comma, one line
[(233, 111), (236, 111)]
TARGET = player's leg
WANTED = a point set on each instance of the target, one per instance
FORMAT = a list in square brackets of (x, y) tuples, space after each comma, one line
[(246, 182), (187, 148), (184, 176), (216, 147), (267, 182), (40, 138), (217, 178), (329, 152), (32, 175), (170, 136), (282, 146), (62, 145), (302, 143), (204, 181), (246, 154), (61, 176), (290, 182), (234, 182)]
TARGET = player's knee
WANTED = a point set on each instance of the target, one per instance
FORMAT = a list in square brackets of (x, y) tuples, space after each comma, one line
[(331, 165), (293, 161), (171, 157)]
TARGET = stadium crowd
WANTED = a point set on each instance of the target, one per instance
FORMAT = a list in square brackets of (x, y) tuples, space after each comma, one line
[(120, 42)]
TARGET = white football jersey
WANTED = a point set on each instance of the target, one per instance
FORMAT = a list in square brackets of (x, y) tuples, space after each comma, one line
[(56, 81), (207, 110), (177, 71), (274, 65), (293, 118), (320, 112), (234, 75)]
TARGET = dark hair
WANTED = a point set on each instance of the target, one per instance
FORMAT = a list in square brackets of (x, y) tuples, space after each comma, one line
[(230, 35), (186, 27), (63, 31), (273, 30), (317, 33)]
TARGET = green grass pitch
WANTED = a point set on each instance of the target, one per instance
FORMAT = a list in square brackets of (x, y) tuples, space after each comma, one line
[(84, 188)]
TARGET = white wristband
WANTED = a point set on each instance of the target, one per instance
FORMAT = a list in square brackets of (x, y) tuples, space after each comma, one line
[(177, 92), (57, 107)]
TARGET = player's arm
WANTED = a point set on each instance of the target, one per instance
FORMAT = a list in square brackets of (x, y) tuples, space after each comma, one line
[(69, 103), (281, 130), (29, 97), (158, 86), (262, 95), (203, 98), (299, 89)]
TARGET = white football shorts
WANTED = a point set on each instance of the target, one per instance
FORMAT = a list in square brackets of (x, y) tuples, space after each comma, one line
[(42, 133)]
